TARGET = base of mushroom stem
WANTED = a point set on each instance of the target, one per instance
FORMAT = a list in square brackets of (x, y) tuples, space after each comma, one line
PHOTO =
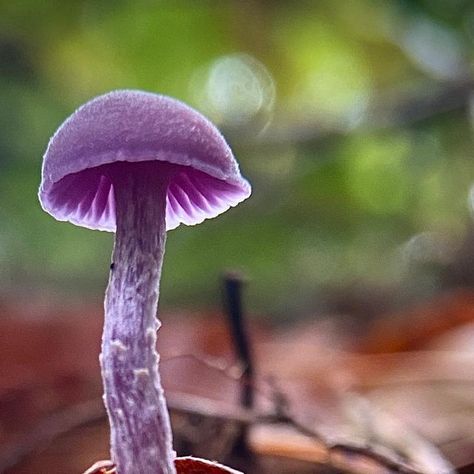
[(184, 465)]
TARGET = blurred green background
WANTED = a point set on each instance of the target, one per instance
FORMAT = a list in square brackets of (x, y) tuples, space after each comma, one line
[(351, 119)]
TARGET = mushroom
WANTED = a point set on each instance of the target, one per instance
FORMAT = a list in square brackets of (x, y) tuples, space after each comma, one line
[(137, 164)]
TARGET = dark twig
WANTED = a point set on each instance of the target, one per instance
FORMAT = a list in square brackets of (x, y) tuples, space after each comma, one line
[(233, 283)]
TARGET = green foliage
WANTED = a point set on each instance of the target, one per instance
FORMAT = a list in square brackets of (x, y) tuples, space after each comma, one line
[(337, 195)]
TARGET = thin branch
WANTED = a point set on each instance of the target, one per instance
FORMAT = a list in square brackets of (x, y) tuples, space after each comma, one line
[(230, 371), (93, 411), (178, 402), (395, 466)]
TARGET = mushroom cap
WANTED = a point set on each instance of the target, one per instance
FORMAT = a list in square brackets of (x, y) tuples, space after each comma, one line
[(134, 126)]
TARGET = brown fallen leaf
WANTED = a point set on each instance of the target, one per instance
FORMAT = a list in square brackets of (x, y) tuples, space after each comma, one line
[(184, 465), (415, 328), (102, 467), (313, 365), (191, 465)]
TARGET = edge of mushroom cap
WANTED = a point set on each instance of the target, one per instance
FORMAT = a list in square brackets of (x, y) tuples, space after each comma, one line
[(55, 168)]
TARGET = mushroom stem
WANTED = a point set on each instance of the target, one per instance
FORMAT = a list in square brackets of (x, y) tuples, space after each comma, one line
[(141, 438)]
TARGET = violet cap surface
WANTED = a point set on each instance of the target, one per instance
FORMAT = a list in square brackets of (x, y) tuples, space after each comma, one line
[(134, 126)]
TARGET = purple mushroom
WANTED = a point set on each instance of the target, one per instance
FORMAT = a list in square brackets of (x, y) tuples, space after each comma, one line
[(137, 164)]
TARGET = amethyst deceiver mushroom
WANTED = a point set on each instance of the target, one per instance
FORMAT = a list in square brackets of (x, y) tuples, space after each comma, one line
[(137, 164)]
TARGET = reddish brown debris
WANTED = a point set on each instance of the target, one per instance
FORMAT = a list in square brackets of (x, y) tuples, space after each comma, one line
[(102, 467), (190, 465), (185, 465)]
